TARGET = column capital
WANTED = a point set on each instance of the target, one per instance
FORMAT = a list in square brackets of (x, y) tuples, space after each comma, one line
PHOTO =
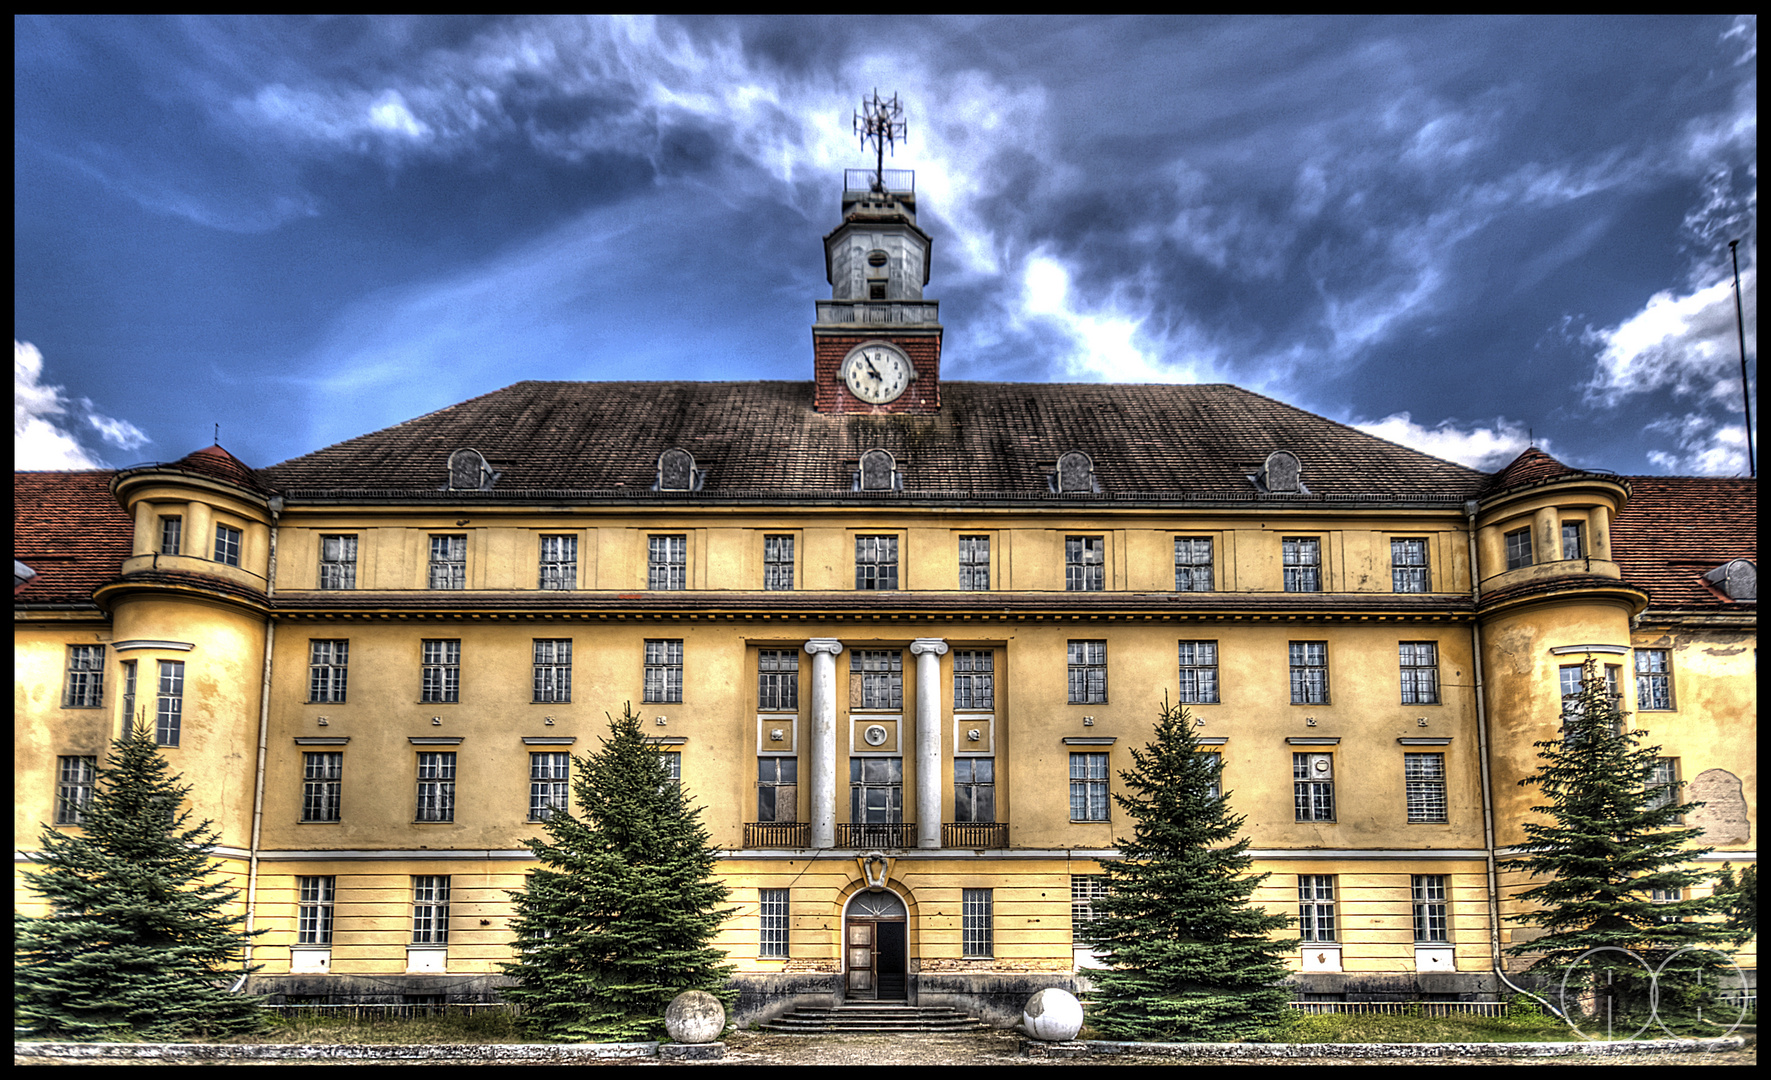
[(823, 645), (921, 645)]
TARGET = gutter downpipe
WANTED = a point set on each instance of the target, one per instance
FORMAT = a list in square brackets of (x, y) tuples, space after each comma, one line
[(1487, 779), (264, 717)]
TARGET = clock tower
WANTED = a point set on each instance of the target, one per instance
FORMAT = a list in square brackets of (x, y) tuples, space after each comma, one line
[(876, 344)]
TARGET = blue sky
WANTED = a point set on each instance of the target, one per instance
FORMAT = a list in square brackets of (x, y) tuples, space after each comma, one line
[(1451, 232)]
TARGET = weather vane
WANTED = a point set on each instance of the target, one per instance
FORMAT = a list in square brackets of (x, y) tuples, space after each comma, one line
[(880, 122)]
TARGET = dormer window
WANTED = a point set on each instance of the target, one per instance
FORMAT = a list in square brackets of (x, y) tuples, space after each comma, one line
[(1075, 473), (1283, 473), (677, 472), (468, 471), (878, 472), (1737, 580)]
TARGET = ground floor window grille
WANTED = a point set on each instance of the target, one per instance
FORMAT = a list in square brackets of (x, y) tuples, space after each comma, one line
[(773, 904), (977, 918)]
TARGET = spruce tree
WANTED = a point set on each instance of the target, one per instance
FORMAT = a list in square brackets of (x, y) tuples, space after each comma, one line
[(139, 943), (1191, 957), (621, 915), (1614, 867)]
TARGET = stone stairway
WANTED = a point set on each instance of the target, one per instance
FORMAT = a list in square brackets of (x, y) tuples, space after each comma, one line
[(870, 1017)]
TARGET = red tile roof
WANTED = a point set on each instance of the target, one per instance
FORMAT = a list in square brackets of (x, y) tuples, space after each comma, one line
[(68, 528), (1674, 529), (1529, 467), (217, 462), (764, 437)]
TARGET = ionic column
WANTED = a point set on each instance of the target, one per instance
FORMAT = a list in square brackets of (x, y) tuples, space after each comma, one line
[(928, 652), (823, 765)]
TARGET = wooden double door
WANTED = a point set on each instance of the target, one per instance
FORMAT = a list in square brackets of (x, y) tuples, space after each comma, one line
[(876, 946)]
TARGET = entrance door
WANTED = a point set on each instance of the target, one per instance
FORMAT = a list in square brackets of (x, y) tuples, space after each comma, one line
[(876, 953)]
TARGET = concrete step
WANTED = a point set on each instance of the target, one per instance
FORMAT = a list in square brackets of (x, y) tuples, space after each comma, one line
[(869, 1017)]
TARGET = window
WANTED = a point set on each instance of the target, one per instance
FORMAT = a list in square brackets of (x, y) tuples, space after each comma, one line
[(876, 562), (1654, 679), (322, 782), (1423, 778), (1666, 896), (664, 671), (1569, 678), (1215, 762), (1085, 889), (777, 680), (550, 776), (436, 786), (314, 912), (227, 545), (1420, 672), (1302, 557), (553, 670), (1085, 563), (974, 790), (1193, 564), (977, 916), (441, 663), (74, 780), (169, 708), (667, 562), (129, 693), (1573, 540), (448, 562), (876, 790), (1518, 548), (1430, 922), (313, 921), (880, 675), (171, 535), (1088, 672), (1199, 672), (974, 679), (778, 563), (1312, 777), (1408, 566), (777, 789), (326, 670), (430, 910), (1663, 784), (974, 563), (86, 677), (559, 562), (1088, 787), (338, 562), (672, 760), (1316, 907), (772, 908), (1309, 673)]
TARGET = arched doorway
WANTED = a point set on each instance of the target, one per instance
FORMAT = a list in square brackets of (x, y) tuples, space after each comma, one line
[(876, 946)]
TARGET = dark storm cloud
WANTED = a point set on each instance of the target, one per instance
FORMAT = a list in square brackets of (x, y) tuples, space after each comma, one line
[(1459, 227)]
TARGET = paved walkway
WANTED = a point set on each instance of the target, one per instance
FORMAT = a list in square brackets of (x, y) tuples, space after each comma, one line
[(988, 1048)]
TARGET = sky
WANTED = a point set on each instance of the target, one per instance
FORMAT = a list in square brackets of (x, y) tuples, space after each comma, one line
[(1465, 235)]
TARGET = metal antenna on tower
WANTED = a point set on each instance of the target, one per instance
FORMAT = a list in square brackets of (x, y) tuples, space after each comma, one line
[(881, 122)]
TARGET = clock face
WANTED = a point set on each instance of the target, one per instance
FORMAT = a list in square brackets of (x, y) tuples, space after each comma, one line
[(877, 372)]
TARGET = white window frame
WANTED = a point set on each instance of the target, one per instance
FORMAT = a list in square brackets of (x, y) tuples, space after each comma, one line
[(436, 787), (322, 786), (664, 671), (1085, 564), (1654, 680), (316, 898), (1518, 548), (227, 544), (169, 703), (76, 777), (550, 783), (977, 923), (171, 534), (772, 923), (974, 679), (1317, 921), (559, 563), (1308, 661), (85, 686), (876, 563), (778, 562), (1312, 789), (1431, 898), (430, 909), (439, 671), (1087, 663), (974, 563), (338, 562), (1409, 571), (1301, 559), (667, 562), (552, 684), (448, 561), (777, 680), (1193, 573), (328, 670), (1419, 671), (1090, 786), (1424, 788), (1198, 672)]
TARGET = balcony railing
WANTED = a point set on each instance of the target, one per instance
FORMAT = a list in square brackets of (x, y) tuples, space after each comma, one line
[(976, 835), (876, 835), (777, 834)]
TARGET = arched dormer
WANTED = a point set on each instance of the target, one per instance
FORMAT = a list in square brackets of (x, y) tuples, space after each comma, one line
[(677, 471), (1283, 473), (878, 472), (1075, 474), (468, 471)]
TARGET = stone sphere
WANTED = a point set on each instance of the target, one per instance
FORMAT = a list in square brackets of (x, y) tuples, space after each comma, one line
[(1052, 1015), (695, 1016)]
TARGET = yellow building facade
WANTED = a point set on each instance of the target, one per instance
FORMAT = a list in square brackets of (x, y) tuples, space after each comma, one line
[(898, 638)]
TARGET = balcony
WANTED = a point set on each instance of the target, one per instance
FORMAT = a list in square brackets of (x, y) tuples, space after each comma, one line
[(975, 835), (777, 834), (876, 835)]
